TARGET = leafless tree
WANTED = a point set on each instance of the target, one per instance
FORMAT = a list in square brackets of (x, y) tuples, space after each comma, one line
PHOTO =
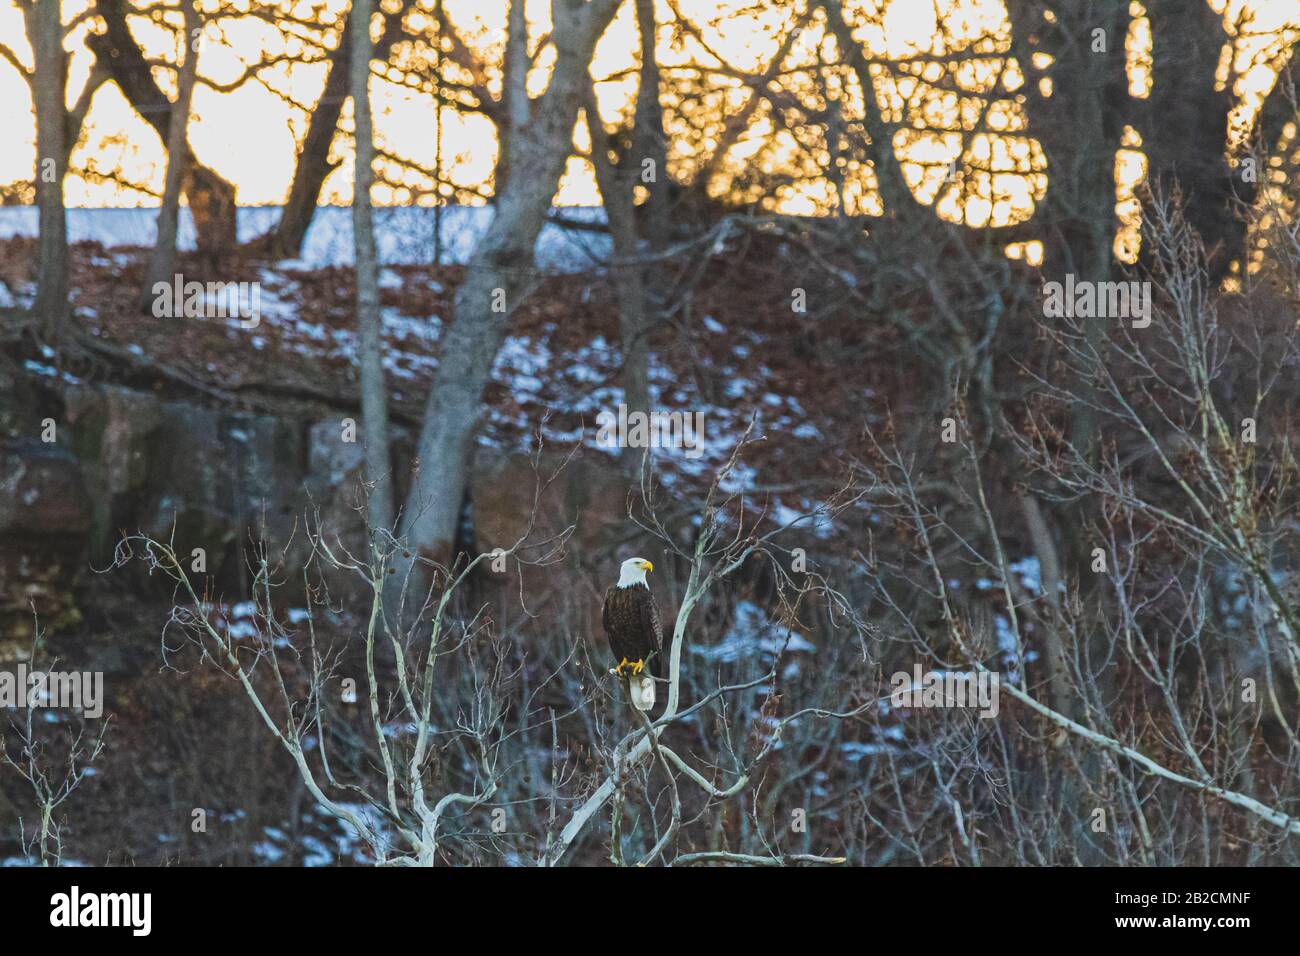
[(374, 393), (162, 262), (499, 277), (48, 82), (52, 766)]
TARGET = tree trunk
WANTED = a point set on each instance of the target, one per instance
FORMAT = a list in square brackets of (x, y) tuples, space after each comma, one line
[(374, 396), (211, 198), (616, 183), (1079, 127), (499, 273), (895, 196), (1184, 125), (514, 94), (650, 142), (314, 165), (640, 294), (162, 262), (45, 30)]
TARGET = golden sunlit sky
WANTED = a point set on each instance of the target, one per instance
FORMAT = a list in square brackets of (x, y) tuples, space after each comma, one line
[(250, 135)]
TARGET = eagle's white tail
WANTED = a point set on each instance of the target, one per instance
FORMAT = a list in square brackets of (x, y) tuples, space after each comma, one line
[(642, 689)]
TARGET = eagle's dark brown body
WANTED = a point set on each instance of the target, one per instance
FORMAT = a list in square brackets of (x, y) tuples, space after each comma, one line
[(631, 622)]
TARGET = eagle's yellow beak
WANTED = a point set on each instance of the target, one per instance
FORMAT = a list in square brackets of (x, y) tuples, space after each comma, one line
[(646, 565)]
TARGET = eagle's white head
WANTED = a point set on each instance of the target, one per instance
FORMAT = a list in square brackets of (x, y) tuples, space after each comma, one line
[(633, 572)]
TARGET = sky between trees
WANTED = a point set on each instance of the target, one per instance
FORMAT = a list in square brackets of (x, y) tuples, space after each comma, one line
[(759, 100)]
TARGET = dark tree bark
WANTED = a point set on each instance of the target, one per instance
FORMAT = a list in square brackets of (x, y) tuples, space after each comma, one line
[(162, 261), (1184, 126), (211, 198), (894, 193), (1279, 109), (649, 140), (616, 182), (314, 165), (45, 30), (642, 148), (1080, 127)]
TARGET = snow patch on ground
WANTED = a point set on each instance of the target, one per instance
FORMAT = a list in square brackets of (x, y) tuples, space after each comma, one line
[(755, 636)]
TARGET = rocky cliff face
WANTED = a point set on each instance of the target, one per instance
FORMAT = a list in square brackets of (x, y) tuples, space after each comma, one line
[(45, 514), (117, 460), (218, 481)]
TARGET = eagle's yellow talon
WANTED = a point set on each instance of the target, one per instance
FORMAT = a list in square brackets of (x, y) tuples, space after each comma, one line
[(621, 664), (638, 667)]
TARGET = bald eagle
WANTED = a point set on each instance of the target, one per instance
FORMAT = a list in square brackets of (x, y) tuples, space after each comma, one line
[(631, 622)]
